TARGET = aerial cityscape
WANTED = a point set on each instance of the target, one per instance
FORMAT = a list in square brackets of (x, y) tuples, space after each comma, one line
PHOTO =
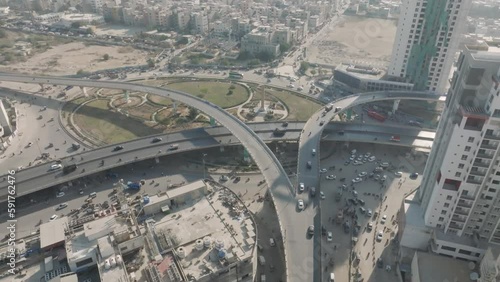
[(250, 140)]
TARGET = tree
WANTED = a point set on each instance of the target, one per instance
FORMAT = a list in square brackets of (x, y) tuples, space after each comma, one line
[(313, 72), (183, 41), (75, 25), (284, 47), (193, 113), (105, 57), (304, 66), (253, 62), (265, 56), (151, 63)]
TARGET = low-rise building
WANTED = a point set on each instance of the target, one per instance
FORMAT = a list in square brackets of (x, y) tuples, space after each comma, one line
[(366, 79), (260, 41)]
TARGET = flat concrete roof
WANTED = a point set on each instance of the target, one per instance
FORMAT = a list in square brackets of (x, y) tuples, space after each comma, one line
[(186, 188), (52, 232), (230, 226), (67, 278), (435, 268)]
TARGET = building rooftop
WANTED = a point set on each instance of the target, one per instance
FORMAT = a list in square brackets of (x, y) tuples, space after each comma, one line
[(110, 265), (365, 72), (212, 233), (65, 278), (52, 232), (449, 269)]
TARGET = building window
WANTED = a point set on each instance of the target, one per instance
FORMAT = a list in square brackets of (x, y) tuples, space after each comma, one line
[(460, 166), (446, 248), (449, 197), (441, 218), (467, 148), (446, 205), (464, 157), (471, 139), (83, 262), (458, 174), (443, 212)]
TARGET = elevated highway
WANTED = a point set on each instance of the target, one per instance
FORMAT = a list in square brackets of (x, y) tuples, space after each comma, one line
[(310, 139), (36, 178)]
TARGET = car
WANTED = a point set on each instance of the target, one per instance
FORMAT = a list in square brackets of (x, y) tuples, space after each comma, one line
[(309, 165), (29, 144), (329, 236), (156, 140), (285, 124), (223, 178), (357, 163), (355, 193), (300, 204), (414, 175), (380, 235), (398, 174), (361, 202), (384, 218), (352, 157), (362, 174), (362, 210), (346, 163), (60, 194), (312, 191), (369, 213), (118, 148), (323, 170), (61, 206), (322, 195), (356, 180), (310, 230), (372, 159), (383, 178), (360, 158), (369, 226), (331, 177), (380, 263), (353, 152), (80, 192), (55, 166), (54, 217), (367, 155), (321, 122), (291, 86), (301, 187)]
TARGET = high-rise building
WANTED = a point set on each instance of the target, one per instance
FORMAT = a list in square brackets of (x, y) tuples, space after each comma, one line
[(460, 189), (427, 39)]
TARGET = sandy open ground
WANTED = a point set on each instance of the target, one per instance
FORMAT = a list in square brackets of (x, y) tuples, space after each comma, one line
[(358, 40), (67, 59)]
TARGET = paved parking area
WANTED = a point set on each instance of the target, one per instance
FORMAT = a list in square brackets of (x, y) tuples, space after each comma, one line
[(382, 198)]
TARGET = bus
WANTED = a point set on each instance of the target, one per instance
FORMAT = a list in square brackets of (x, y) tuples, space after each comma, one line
[(237, 75)]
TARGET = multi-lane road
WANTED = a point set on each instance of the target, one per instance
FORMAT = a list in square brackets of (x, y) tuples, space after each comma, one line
[(309, 175), (298, 252)]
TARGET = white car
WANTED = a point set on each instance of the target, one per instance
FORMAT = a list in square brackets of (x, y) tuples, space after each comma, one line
[(367, 155), (369, 213), (356, 180), (380, 235), (329, 236), (398, 174), (60, 194), (372, 159), (384, 218), (55, 166), (352, 157), (353, 152), (29, 144), (323, 170), (301, 187), (54, 217), (357, 163), (300, 204), (322, 195), (331, 177), (362, 174)]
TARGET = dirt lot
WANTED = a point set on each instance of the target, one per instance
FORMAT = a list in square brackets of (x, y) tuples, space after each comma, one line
[(358, 40), (69, 58)]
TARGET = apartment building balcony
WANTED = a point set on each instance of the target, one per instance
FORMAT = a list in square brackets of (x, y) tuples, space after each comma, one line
[(459, 218), (497, 234), (474, 180), (485, 156), (477, 172), (455, 225), (464, 204), (492, 136), (489, 146), (466, 197), (461, 211), (481, 164)]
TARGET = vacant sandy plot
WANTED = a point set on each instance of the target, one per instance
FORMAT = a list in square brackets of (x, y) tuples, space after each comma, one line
[(69, 58), (358, 40)]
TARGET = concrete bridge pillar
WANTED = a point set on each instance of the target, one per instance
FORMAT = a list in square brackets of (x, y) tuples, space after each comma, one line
[(84, 91), (395, 106)]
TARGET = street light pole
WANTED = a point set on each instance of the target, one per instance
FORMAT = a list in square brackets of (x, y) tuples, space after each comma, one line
[(204, 173)]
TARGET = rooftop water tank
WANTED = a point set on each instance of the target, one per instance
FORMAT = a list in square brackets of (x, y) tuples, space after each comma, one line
[(118, 259), (219, 244), (107, 265), (181, 252), (112, 261), (199, 245), (146, 200), (207, 241)]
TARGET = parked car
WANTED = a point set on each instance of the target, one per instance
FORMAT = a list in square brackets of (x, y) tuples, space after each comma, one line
[(156, 140), (331, 177), (312, 191), (54, 217), (329, 236), (300, 204), (301, 187), (356, 180), (323, 170), (60, 194), (384, 218), (322, 195), (310, 230), (380, 235), (398, 174), (61, 206)]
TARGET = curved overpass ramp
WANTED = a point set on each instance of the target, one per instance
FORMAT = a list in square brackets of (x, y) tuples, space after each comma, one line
[(274, 174), (310, 139)]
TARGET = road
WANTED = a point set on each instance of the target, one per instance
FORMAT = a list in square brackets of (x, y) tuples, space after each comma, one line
[(36, 178), (310, 140)]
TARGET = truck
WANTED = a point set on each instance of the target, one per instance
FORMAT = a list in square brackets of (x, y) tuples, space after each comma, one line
[(133, 185), (376, 116), (69, 168)]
